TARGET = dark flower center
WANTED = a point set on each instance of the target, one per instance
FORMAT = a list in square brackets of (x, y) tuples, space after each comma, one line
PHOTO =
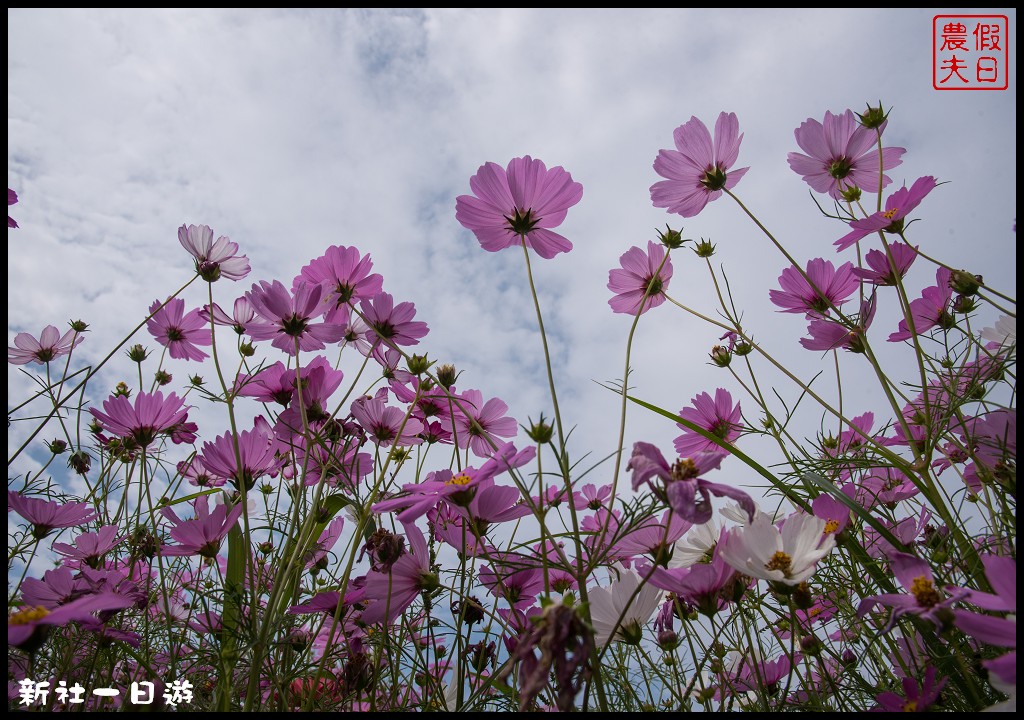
[(294, 325), (840, 167), (714, 178), (175, 334), (522, 221)]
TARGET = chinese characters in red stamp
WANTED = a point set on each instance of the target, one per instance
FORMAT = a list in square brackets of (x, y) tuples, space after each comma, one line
[(970, 52)]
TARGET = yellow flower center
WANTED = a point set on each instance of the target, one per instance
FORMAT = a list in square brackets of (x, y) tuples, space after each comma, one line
[(780, 561), (460, 479), (924, 592), (831, 526), (910, 706), (888, 214), (685, 469), (29, 615)]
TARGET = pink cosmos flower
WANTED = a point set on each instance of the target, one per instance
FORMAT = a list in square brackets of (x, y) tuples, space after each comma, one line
[(900, 204), (685, 491), (698, 169), (46, 516), (50, 346), (256, 452), (999, 631), (391, 322), (151, 415), (923, 598), (214, 260), (319, 381), (841, 154), (719, 417), (242, 314), (519, 204), (89, 548), (289, 317), (390, 592), (824, 287), (827, 334), (386, 426), (641, 283), (202, 535), (930, 310), (513, 580), (700, 585), (879, 271), (177, 331), (461, 488), (652, 537), (479, 425), (12, 198), (58, 587), (325, 542), (23, 625), (917, 697), (346, 278)]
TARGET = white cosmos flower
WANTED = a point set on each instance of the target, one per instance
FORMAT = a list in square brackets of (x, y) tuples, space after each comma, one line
[(788, 556), (692, 547), (1004, 332), (608, 603)]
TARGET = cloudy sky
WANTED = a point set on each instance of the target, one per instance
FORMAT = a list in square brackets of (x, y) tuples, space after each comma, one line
[(292, 130)]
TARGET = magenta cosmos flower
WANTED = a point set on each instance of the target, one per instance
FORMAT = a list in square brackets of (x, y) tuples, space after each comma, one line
[(178, 331), (255, 456), (47, 516), (519, 204), (688, 494), (390, 592), (214, 260), (718, 416), (698, 169), (640, 284), (289, 317), (50, 346), (879, 271), (930, 310), (840, 154), (151, 415), (890, 220), (12, 198), (346, 278), (480, 425), (390, 322), (822, 288), (203, 534)]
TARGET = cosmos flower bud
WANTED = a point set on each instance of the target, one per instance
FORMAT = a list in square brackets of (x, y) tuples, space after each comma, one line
[(671, 239), (137, 353), (163, 378), (704, 248), (850, 193), (79, 326), (246, 349), (418, 364), (540, 432), (965, 283), (446, 375), (122, 389), (810, 645), (57, 446), (721, 356), (874, 117)]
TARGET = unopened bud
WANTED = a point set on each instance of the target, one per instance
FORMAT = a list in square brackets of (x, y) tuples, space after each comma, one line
[(418, 364), (964, 282), (57, 446), (163, 378), (671, 239), (446, 375), (137, 353), (704, 248), (721, 356)]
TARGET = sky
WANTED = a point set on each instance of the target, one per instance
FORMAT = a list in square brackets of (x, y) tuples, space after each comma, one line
[(292, 130)]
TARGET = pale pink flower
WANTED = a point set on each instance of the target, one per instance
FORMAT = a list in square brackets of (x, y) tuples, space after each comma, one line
[(519, 204), (152, 415), (214, 260), (841, 153), (641, 283), (50, 346), (698, 169), (787, 556)]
